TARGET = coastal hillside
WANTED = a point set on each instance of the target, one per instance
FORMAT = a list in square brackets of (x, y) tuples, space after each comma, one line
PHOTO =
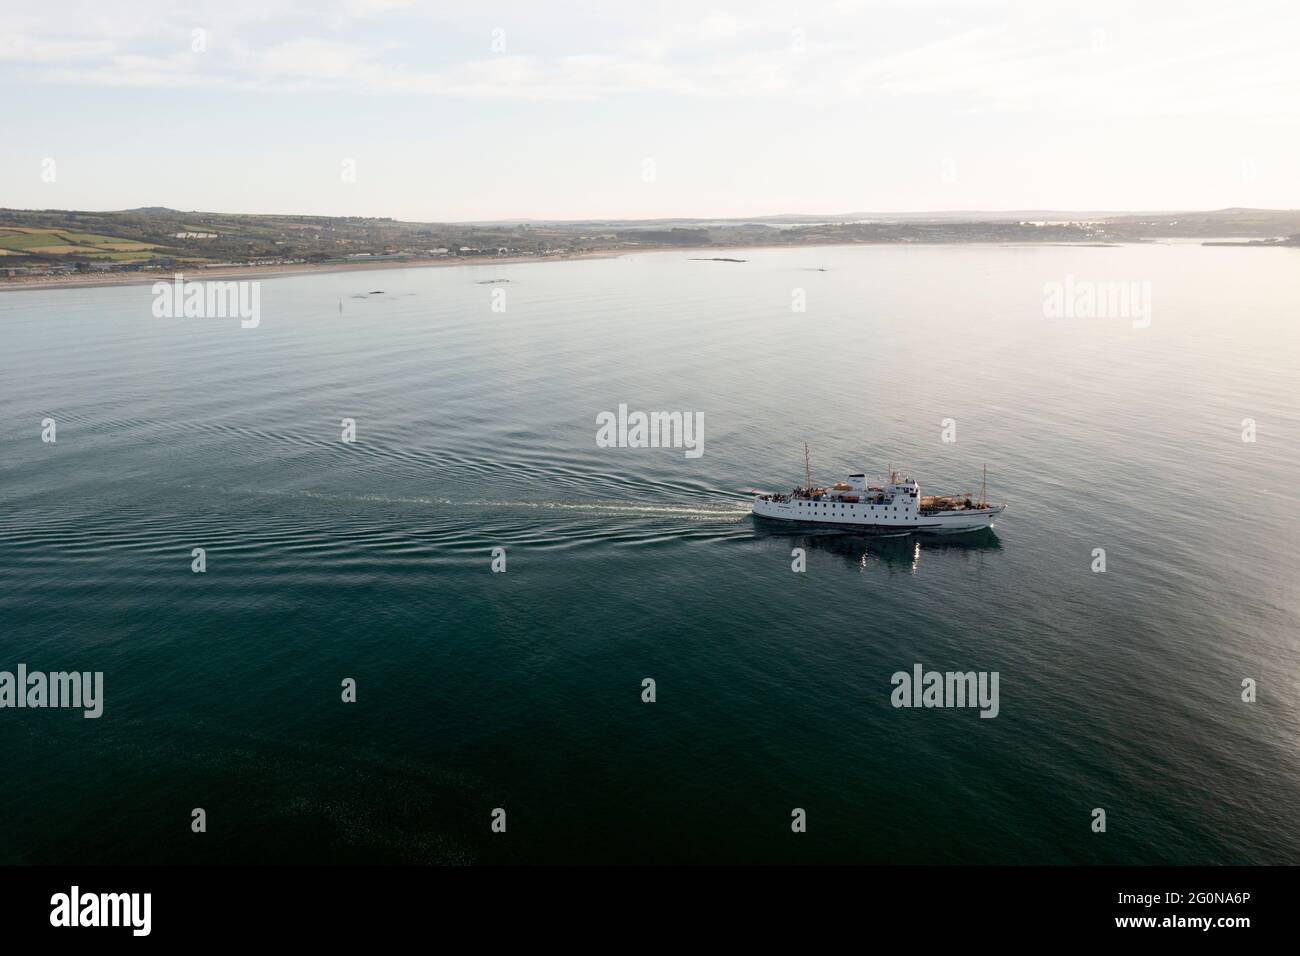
[(52, 242)]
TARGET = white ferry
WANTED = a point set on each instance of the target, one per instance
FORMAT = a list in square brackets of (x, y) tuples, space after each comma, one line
[(896, 505)]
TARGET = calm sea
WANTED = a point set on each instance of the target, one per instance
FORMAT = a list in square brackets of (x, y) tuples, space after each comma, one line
[(475, 430)]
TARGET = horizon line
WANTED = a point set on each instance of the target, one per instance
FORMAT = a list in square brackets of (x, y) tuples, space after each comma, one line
[(808, 217)]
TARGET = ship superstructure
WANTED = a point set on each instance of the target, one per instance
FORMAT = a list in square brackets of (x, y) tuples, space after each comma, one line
[(895, 505)]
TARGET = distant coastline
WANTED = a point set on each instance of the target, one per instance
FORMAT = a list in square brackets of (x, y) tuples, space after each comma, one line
[(91, 280), (102, 280), (53, 248)]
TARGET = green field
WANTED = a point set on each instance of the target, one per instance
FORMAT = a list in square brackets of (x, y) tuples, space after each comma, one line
[(23, 241)]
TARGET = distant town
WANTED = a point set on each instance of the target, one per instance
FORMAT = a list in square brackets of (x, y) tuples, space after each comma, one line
[(54, 243)]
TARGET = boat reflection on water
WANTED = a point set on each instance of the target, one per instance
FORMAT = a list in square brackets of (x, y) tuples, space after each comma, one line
[(894, 551)]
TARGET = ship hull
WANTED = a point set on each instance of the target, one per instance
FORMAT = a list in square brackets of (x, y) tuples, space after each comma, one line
[(858, 517)]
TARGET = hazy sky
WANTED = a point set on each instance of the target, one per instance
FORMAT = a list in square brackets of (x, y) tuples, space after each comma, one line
[(638, 109)]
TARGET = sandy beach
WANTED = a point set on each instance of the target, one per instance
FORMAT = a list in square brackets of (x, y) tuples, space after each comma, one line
[(92, 280)]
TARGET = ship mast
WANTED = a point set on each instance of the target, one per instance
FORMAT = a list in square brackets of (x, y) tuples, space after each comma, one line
[(984, 501), (807, 469)]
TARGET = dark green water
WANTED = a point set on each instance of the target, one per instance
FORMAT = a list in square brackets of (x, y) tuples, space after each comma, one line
[(476, 429)]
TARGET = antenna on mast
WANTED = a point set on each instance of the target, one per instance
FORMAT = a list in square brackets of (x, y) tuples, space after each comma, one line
[(807, 469)]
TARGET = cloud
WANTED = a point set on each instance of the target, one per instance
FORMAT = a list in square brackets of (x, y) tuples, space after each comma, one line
[(28, 49), (312, 58), (1107, 59)]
